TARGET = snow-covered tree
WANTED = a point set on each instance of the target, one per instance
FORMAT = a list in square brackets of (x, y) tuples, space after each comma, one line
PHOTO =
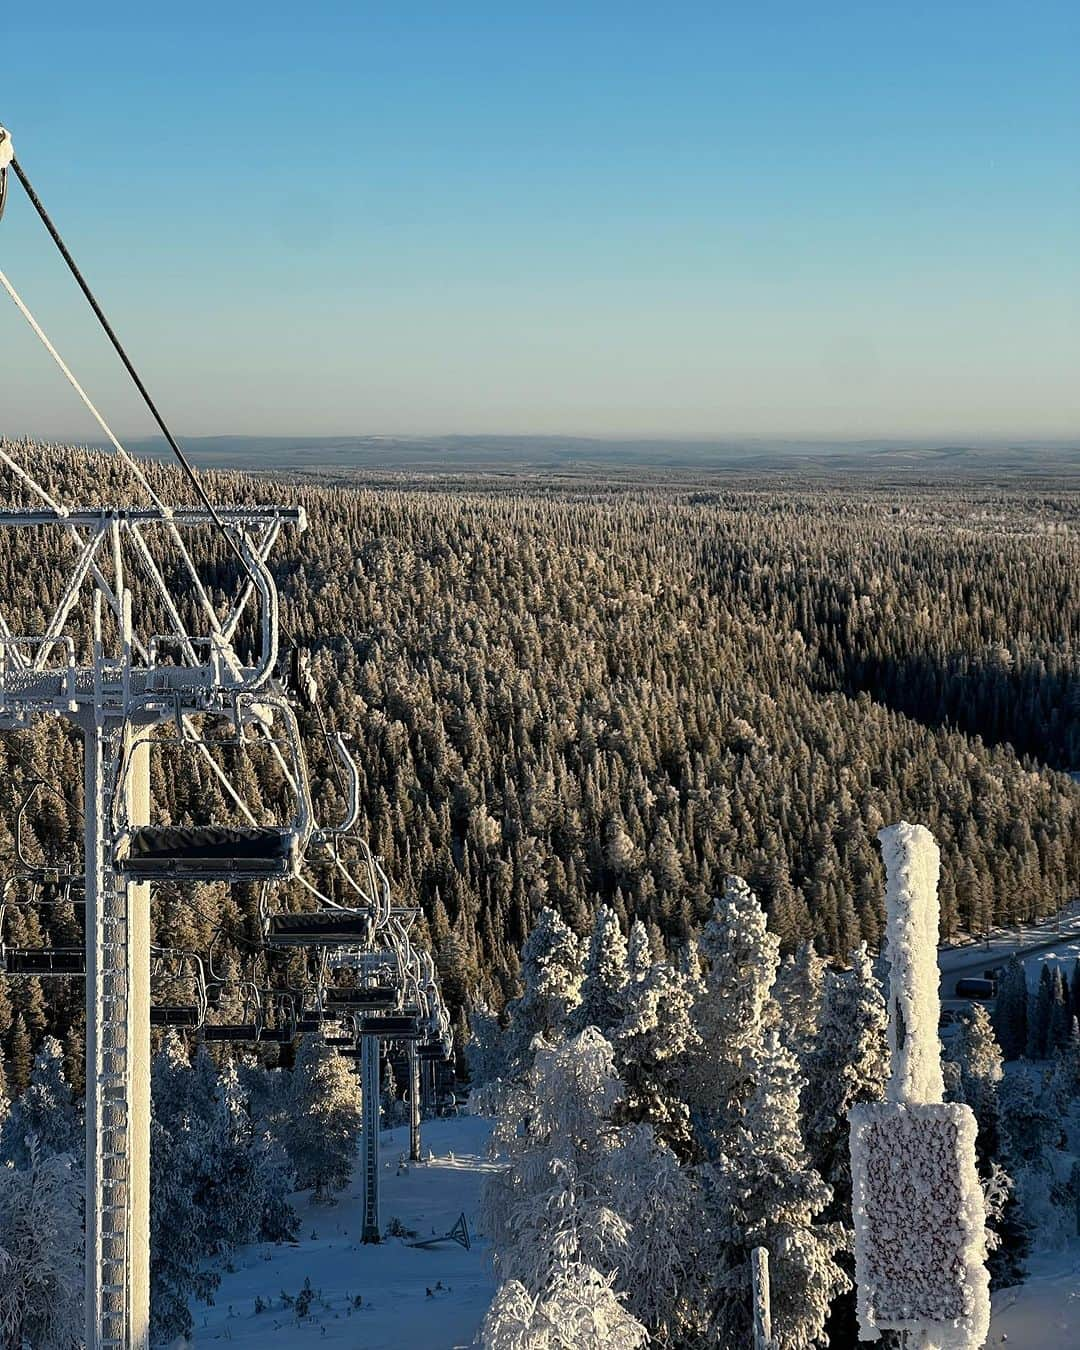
[(46, 1111), (325, 1118), (652, 1047), (799, 990), (639, 957), (732, 1010), (767, 1194), (554, 1130), (980, 1060), (551, 974), (41, 1256), (485, 1050), (578, 1308), (1011, 1011), (177, 1274), (602, 1002), (849, 1063)]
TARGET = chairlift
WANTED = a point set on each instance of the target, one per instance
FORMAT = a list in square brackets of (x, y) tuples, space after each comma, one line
[(250, 1025), (177, 967), (219, 852), (39, 961)]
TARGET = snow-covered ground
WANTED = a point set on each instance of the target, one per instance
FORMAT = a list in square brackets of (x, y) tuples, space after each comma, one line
[(1043, 1313), (410, 1298)]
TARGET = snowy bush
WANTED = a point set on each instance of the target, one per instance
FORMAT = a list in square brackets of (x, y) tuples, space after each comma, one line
[(41, 1253), (577, 1309)]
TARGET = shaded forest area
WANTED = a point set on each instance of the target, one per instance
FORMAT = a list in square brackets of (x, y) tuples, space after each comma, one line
[(566, 693)]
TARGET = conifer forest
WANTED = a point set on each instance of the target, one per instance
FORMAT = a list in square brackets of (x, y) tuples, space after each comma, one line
[(627, 742)]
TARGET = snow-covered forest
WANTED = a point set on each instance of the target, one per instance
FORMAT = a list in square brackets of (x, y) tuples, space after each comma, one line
[(628, 748)]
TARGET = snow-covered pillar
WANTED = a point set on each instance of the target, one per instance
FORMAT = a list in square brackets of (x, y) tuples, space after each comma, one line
[(414, 1103), (920, 1216), (912, 867), (759, 1280), (369, 1106)]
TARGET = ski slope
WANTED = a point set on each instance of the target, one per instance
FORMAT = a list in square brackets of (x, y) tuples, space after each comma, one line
[(1043, 1313), (396, 1311)]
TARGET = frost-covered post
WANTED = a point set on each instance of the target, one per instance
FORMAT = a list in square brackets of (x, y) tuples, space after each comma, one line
[(920, 1242), (759, 1280)]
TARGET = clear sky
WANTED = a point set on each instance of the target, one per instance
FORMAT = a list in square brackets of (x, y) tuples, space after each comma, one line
[(716, 219)]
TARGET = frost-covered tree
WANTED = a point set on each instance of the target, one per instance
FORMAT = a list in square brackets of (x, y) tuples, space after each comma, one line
[(555, 1132), (177, 1274), (485, 1050), (849, 1063), (799, 990), (980, 1060), (46, 1111), (1031, 1135), (652, 1047), (732, 1010), (1041, 1014), (551, 974), (41, 1256), (1011, 1011), (577, 1308), (767, 1194), (602, 1002), (324, 1111), (639, 957)]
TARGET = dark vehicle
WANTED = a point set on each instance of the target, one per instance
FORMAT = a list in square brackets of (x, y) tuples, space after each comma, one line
[(977, 989)]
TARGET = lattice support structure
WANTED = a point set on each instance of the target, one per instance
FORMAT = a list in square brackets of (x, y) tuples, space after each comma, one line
[(370, 1088), (114, 698)]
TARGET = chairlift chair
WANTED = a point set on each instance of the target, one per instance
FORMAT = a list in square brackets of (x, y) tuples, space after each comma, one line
[(40, 961), (211, 852), (185, 968)]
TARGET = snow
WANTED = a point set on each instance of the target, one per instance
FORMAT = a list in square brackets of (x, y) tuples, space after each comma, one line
[(392, 1279), (1043, 1313), (912, 865)]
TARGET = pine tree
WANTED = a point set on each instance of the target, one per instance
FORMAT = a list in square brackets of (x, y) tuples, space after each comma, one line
[(799, 989), (1041, 1016), (41, 1256), (485, 1050), (602, 1004), (639, 956), (1011, 1011), (46, 1112), (767, 1194), (1060, 1014), (980, 1060), (849, 1063)]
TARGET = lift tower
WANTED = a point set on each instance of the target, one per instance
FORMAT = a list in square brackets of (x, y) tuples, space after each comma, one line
[(100, 662)]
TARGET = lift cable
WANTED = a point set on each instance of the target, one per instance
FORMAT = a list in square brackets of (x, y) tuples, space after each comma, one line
[(110, 333)]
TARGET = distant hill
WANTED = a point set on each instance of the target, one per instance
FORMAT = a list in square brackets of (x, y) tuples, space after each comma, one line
[(442, 454)]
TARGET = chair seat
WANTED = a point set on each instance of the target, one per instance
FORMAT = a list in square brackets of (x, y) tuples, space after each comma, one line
[(320, 928), (178, 1015), (245, 1032), (44, 960), (206, 852)]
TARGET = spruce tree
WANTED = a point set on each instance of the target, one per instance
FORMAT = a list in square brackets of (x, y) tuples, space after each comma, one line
[(768, 1195), (732, 1011), (324, 1110), (603, 986), (551, 974), (1011, 1011), (848, 1064)]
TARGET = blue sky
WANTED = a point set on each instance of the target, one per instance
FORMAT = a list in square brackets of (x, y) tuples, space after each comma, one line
[(695, 219)]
